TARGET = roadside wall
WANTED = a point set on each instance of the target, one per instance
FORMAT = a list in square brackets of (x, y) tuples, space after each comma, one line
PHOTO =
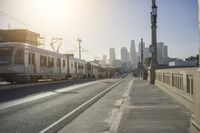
[(183, 85)]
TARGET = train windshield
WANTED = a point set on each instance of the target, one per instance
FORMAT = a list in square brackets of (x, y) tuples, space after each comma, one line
[(6, 55)]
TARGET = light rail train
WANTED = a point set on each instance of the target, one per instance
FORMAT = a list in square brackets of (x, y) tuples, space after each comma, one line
[(21, 62)]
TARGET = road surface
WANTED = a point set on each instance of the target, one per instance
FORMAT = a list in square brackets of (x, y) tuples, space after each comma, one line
[(35, 108)]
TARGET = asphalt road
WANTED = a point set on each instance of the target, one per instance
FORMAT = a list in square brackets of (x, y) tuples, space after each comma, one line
[(31, 109), (12, 92)]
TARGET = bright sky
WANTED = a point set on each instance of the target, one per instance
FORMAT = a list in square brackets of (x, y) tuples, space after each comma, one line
[(103, 24)]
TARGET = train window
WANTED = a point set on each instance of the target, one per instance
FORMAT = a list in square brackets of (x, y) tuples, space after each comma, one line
[(72, 64), (75, 65), (29, 58), (63, 63), (79, 66), (43, 61), (5, 55), (58, 62), (19, 57), (50, 62)]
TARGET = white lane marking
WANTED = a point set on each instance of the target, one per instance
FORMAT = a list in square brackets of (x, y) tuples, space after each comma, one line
[(126, 93), (43, 95), (25, 100), (79, 108), (119, 113), (154, 107)]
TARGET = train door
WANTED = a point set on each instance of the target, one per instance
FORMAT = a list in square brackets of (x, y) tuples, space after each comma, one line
[(32, 64), (20, 61), (75, 66), (59, 65)]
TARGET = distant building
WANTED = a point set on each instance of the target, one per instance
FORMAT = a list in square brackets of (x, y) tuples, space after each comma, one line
[(165, 51), (180, 63), (124, 55), (128, 53), (116, 63), (162, 54), (104, 59), (112, 55), (126, 67), (133, 58), (103, 62), (162, 50), (139, 50), (136, 59), (146, 52)]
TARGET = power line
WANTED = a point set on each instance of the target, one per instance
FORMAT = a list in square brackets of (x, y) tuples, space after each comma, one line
[(14, 19), (28, 25)]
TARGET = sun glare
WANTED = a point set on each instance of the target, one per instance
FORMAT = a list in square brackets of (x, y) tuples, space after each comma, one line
[(53, 7)]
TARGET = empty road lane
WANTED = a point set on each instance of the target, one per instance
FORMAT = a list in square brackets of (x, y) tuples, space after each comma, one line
[(34, 112)]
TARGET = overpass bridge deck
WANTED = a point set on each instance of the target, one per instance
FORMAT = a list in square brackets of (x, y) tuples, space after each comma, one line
[(148, 109)]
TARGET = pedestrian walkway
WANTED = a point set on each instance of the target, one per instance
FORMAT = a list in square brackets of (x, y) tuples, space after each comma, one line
[(150, 110)]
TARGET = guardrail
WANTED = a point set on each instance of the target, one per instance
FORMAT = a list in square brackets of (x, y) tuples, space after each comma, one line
[(184, 85)]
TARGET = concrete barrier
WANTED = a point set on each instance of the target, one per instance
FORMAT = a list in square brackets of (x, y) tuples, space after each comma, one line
[(195, 120), (183, 85)]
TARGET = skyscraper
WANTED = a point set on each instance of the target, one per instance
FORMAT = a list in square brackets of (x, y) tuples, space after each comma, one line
[(124, 55), (146, 52), (165, 51), (104, 59), (139, 50), (162, 50), (133, 59), (112, 55)]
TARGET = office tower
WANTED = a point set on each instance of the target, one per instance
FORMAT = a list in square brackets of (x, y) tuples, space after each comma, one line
[(112, 55), (133, 59), (124, 55)]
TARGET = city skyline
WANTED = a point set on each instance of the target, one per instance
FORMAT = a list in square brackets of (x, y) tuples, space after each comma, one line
[(92, 22), (98, 66), (134, 56)]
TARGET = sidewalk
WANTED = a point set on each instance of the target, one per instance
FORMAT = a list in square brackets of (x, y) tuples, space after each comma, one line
[(150, 110)]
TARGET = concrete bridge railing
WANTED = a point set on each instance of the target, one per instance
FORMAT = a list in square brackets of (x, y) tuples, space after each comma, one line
[(184, 85)]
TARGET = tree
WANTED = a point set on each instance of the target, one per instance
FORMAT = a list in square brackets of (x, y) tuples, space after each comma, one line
[(147, 61), (193, 58)]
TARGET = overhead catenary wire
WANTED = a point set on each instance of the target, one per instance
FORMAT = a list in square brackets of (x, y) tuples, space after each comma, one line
[(19, 21)]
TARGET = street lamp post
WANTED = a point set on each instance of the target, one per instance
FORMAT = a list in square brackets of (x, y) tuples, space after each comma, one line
[(142, 65), (154, 62), (142, 48)]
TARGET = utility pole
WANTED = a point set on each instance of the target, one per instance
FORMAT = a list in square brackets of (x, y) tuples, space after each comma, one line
[(142, 52), (79, 47), (153, 47)]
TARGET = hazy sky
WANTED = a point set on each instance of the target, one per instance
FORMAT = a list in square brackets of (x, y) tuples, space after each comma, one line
[(103, 24)]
